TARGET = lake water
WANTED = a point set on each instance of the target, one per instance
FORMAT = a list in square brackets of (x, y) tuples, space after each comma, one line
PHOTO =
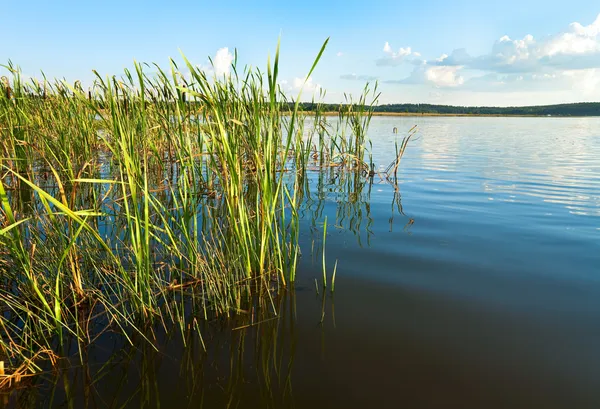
[(473, 284)]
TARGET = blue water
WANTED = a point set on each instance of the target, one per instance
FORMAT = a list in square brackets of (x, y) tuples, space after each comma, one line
[(498, 204), (485, 292)]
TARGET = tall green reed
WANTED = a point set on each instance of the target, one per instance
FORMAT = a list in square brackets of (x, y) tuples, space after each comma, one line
[(155, 197)]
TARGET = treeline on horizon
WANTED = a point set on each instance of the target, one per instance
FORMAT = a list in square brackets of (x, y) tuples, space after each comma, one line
[(572, 109), (576, 109)]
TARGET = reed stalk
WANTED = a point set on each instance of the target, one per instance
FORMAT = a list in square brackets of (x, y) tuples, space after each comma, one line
[(156, 198)]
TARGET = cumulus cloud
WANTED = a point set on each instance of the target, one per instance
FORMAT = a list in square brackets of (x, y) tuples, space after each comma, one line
[(509, 56), (222, 62), (219, 65), (306, 87), (576, 48), (393, 58), (567, 60), (437, 76), (444, 76), (305, 84), (339, 54), (355, 77)]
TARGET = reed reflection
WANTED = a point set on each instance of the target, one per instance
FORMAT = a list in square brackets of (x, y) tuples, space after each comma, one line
[(249, 357)]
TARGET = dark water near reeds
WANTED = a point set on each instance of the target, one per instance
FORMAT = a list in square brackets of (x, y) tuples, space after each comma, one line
[(474, 284)]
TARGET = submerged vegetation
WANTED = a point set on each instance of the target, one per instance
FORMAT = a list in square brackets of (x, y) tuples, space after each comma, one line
[(156, 201)]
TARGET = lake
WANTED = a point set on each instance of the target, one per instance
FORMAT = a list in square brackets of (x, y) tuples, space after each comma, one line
[(473, 283)]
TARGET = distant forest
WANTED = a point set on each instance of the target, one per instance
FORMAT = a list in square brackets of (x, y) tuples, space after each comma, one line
[(578, 109)]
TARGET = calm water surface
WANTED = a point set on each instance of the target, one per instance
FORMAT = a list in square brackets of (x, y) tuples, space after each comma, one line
[(476, 285)]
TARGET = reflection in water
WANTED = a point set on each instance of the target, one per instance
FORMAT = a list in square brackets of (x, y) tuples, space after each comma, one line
[(251, 357), (397, 207), (351, 193)]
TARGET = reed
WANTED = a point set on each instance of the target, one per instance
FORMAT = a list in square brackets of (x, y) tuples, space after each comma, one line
[(155, 198)]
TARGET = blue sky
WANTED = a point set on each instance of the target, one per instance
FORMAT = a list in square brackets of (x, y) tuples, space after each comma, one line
[(460, 52)]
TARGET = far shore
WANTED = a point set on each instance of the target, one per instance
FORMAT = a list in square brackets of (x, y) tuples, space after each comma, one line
[(415, 114)]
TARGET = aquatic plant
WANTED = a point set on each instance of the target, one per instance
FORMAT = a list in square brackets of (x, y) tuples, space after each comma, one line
[(158, 199)]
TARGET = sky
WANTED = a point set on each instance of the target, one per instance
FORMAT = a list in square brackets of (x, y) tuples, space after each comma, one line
[(459, 52)]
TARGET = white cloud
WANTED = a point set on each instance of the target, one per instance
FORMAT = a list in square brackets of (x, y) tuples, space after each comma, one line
[(592, 30), (568, 61), (306, 84), (298, 82), (222, 62), (508, 56), (577, 40), (437, 76), (310, 89), (339, 54), (576, 48), (444, 76), (393, 58)]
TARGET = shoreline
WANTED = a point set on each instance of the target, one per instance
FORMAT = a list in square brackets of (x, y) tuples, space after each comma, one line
[(431, 114)]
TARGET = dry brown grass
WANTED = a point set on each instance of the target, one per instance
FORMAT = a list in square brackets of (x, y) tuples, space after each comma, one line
[(12, 378)]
